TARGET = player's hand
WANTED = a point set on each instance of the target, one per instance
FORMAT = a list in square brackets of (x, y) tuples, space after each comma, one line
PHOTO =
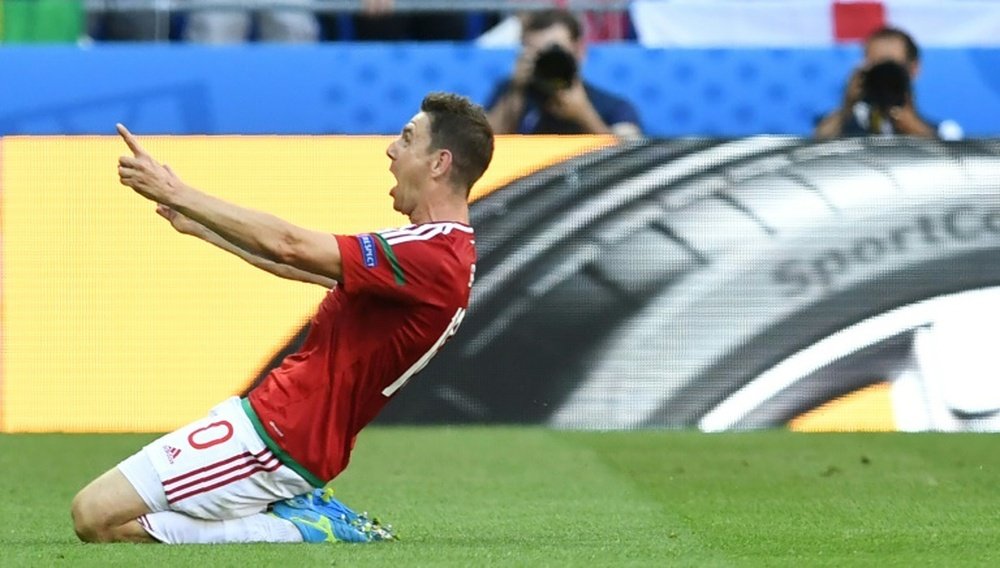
[(179, 221), (143, 174)]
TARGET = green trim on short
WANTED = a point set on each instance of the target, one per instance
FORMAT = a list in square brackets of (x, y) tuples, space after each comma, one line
[(397, 269), (271, 445)]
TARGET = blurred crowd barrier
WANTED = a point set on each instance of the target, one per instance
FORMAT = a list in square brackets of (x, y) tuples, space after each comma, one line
[(348, 88), (45, 21), (687, 23)]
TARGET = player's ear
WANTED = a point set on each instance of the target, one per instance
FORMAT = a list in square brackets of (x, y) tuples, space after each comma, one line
[(441, 165)]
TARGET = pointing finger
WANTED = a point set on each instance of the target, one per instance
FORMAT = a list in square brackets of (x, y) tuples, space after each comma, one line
[(130, 141)]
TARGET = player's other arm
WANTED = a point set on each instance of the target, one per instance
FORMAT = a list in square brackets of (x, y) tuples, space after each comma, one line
[(261, 234), (255, 232), (186, 226)]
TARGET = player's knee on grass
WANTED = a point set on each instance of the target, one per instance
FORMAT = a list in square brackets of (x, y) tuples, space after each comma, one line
[(92, 524), (101, 511), (88, 522)]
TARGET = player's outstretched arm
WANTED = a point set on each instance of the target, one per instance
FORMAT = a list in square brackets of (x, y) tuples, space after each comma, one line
[(186, 226), (256, 232)]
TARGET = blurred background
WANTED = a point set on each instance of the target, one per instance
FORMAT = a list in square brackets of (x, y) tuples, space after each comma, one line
[(785, 215), (715, 68)]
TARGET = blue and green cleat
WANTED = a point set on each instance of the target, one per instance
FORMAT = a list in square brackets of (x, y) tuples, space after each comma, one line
[(321, 518)]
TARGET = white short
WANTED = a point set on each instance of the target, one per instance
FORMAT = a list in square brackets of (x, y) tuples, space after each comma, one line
[(214, 468)]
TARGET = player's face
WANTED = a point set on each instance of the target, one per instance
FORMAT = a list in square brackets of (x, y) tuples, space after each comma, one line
[(411, 163)]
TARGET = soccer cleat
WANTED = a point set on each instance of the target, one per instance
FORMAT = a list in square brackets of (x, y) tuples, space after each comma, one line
[(321, 518)]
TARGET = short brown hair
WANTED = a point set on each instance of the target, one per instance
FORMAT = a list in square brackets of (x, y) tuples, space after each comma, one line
[(912, 51), (460, 126), (545, 19)]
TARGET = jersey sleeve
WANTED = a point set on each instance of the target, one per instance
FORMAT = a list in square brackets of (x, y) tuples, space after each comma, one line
[(408, 272)]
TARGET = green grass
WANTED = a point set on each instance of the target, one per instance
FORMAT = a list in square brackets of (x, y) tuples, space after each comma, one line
[(535, 497)]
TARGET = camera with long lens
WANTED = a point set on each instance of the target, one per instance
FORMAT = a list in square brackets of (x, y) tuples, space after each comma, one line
[(555, 70), (885, 85)]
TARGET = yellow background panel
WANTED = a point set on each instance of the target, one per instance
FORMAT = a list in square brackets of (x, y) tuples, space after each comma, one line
[(113, 322), (865, 410)]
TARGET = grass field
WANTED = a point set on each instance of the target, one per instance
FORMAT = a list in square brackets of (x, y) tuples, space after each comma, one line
[(534, 497)]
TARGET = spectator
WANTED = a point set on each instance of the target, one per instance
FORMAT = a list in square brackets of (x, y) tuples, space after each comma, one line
[(123, 23), (378, 21), (234, 26), (879, 97), (551, 97), (608, 25), (598, 26)]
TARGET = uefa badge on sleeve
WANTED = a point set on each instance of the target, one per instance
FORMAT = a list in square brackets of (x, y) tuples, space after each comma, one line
[(368, 250)]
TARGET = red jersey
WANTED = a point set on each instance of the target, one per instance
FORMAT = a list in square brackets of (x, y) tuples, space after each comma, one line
[(403, 293)]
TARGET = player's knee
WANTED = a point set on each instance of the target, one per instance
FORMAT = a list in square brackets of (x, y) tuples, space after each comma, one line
[(83, 520), (88, 522)]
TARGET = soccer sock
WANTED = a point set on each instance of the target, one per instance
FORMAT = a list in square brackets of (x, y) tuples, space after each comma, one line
[(177, 528)]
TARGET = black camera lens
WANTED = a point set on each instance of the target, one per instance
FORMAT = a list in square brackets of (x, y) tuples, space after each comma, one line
[(886, 85), (555, 69)]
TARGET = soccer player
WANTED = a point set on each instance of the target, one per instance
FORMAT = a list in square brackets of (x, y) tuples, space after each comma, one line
[(253, 470)]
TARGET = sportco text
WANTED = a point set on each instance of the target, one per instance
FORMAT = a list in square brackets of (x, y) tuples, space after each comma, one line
[(961, 224)]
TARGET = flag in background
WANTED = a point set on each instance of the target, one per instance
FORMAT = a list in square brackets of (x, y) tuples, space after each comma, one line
[(812, 23)]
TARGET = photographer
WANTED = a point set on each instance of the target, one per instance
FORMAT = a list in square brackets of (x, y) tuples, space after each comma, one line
[(879, 95), (546, 95)]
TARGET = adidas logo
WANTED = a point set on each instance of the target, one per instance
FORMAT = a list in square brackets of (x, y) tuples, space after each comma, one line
[(171, 452)]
